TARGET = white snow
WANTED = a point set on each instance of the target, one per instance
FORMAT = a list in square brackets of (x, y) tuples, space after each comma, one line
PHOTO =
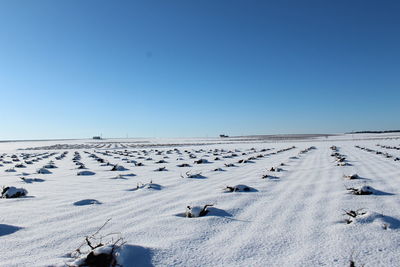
[(295, 219)]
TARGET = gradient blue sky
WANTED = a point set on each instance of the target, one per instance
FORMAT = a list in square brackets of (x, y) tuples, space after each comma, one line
[(71, 69)]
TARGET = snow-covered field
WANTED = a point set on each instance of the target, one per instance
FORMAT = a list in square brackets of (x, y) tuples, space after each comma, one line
[(292, 217)]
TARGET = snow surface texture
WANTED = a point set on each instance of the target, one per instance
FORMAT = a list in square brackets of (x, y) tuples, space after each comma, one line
[(295, 219)]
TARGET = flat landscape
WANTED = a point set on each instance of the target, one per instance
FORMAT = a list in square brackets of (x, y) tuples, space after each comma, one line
[(320, 201), (199, 133)]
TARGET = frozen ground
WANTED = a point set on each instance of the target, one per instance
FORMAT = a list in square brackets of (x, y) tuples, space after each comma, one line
[(294, 217)]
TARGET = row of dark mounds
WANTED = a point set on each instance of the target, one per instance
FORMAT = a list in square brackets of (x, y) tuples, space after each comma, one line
[(340, 158), (389, 147), (354, 215), (383, 154), (357, 214), (22, 160), (362, 190), (119, 145), (15, 192)]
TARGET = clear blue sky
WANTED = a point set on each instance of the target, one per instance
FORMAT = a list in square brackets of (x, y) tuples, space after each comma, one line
[(71, 69)]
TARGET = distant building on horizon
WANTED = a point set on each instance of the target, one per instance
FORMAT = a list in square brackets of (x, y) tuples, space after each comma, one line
[(97, 137), (223, 135)]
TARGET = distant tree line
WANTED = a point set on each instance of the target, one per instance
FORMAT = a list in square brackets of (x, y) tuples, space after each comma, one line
[(377, 132)]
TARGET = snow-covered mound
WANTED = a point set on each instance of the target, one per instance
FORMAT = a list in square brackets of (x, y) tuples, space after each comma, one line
[(352, 176), (197, 211), (49, 166), (378, 219), (149, 185), (43, 171), (201, 161), (239, 188), (13, 192), (85, 202), (118, 168), (31, 180)]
